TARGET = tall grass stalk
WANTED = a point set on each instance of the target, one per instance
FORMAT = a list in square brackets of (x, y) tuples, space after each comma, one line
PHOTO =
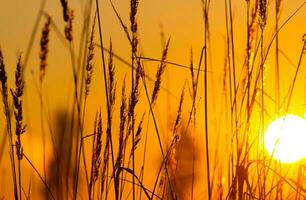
[(134, 46), (87, 80), (18, 113), (228, 58), (33, 34), (262, 24), (109, 134), (151, 103), (173, 141), (277, 65), (7, 113), (205, 4), (68, 15), (40, 176), (43, 65), (296, 74), (83, 50), (96, 160)]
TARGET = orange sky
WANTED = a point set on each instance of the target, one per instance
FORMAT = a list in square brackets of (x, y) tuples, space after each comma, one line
[(180, 19)]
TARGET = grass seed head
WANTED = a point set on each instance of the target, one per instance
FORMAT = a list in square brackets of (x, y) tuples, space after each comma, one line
[(111, 78), (3, 77), (123, 117), (263, 13), (65, 10), (159, 74), (17, 99), (89, 64), (44, 48), (304, 40), (68, 26)]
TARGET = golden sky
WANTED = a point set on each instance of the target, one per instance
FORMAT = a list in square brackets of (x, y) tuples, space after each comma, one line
[(180, 19)]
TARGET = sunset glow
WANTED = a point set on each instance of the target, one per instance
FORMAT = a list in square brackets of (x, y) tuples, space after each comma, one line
[(285, 138)]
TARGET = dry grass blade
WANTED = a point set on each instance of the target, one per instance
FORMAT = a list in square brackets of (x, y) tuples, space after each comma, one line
[(140, 183), (296, 74), (41, 178), (121, 22), (150, 59)]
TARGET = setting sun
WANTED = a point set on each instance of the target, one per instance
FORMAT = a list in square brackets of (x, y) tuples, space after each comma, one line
[(285, 138)]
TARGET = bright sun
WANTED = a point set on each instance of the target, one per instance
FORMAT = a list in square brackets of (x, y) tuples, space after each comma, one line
[(285, 138)]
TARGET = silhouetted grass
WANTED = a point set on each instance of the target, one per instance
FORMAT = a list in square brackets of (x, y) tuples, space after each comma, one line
[(235, 166)]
